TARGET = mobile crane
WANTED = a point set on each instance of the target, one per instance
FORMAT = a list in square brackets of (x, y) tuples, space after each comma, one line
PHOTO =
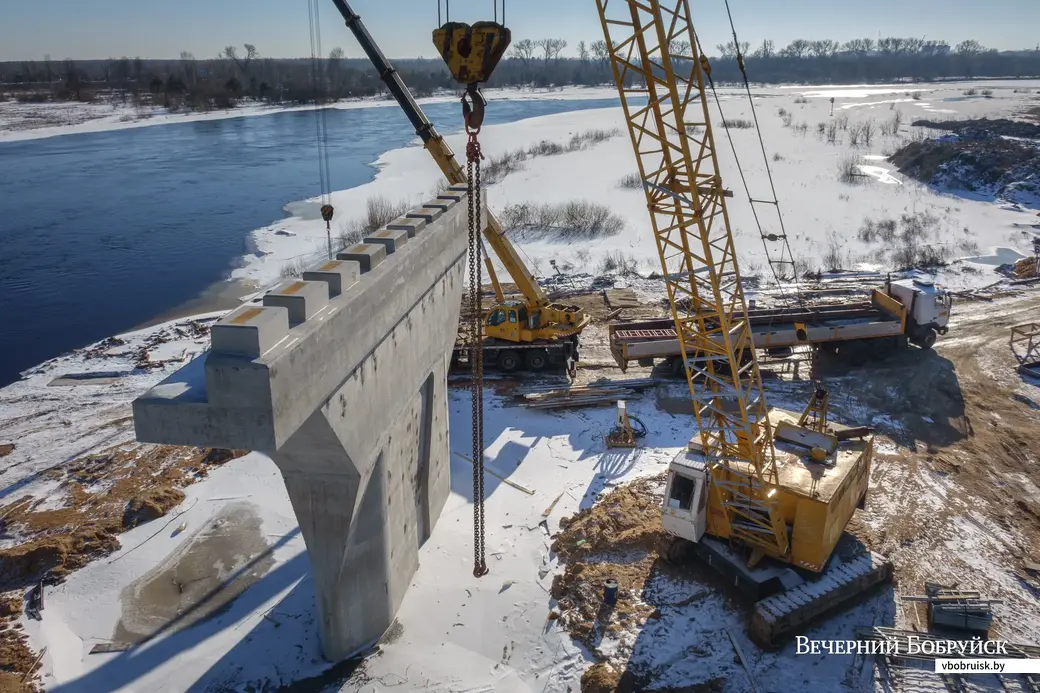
[(531, 331), (787, 496)]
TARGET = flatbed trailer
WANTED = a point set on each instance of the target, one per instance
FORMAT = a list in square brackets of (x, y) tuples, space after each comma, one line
[(856, 331)]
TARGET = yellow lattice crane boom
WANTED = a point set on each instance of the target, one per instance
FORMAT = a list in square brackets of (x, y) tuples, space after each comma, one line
[(674, 143), (753, 476)]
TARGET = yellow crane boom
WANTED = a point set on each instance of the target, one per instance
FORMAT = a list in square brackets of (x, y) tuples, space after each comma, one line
[(546, 320), (675, 149)]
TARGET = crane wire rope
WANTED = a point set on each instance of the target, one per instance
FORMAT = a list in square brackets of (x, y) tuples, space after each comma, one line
[(813, 351), (761, 141), (318, 78), (743, 178)]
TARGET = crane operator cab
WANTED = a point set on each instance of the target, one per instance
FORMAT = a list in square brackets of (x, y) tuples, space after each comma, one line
[(686, 499), (928, 309), (508, 321)]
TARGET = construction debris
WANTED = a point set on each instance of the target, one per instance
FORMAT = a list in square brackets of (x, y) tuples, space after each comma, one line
[(592, 395), (1025, 345), (1026, 268), (961, 609)]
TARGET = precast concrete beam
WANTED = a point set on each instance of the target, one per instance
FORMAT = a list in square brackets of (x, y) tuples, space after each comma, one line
[(341, 377)]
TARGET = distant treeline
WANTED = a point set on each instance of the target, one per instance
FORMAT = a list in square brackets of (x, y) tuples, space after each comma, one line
[(190, 83)]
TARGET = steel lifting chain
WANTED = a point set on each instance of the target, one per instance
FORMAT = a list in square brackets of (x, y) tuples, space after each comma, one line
[(473, 157)]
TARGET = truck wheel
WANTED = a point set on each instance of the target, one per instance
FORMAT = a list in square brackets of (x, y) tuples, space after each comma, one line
[(509, 361), (677, 367), (854, 352), (927, 339), (537, 359)]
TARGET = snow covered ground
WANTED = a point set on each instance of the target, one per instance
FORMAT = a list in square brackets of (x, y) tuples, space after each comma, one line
[(462, 634), (454, 632), (823, 216), (29, 121)]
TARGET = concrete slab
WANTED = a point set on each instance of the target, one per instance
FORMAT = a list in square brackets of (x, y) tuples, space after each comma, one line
[(250, 330), (413, 226), (301, 298), (340, 275), (392, 239), (367, 255)]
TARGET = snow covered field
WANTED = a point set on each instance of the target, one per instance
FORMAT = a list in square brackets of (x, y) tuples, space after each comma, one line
[(457, 633), (29, 121), (822, 215)]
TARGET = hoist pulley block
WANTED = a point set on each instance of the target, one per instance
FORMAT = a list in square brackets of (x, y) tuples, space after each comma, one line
[(472, 52)]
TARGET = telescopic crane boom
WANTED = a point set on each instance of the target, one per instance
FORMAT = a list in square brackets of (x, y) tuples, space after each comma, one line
[(545, 319)]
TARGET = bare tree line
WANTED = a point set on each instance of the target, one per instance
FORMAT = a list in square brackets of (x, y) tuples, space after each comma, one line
[(243, 73)]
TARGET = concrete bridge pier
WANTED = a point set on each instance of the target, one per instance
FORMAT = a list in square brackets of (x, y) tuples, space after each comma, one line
[(341, 377)]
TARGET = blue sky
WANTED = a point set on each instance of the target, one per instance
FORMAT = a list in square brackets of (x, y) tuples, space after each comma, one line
[(31, 29)]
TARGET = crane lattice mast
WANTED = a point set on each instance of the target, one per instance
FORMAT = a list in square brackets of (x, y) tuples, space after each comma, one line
[(653, 48)]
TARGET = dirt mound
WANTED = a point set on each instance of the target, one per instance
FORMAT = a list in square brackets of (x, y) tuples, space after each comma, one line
[(6, 449), (600, 678), (104, 494), (150, 505), (619, 538), (629, 517), (15, 656), (977, 158), (54, 557)]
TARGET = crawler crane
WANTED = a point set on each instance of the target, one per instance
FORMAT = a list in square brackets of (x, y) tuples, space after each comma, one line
[(739, 489)]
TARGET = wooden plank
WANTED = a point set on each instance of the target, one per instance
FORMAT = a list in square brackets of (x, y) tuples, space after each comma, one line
[(498, 476), (743, 660), (104, 647)]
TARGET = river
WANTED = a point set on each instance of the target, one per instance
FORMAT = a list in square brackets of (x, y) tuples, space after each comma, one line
[(102, 232)]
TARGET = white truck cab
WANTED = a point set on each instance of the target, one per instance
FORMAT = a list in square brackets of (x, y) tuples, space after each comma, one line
[(928, 308)]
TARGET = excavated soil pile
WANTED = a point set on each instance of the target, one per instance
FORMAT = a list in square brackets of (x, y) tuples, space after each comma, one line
[(104, 495), (619, 538), (977, 157), (16, 659)]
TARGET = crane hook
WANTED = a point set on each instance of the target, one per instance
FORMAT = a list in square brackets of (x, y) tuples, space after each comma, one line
[(473, 109)]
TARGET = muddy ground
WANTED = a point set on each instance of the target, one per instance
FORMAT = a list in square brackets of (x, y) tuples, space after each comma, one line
[(98, 497), (956, 463)]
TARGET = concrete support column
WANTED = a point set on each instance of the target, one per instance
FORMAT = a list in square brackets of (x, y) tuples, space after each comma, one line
[(341, 377)]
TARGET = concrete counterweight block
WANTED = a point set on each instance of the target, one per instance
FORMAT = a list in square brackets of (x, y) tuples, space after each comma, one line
[(413, 226), (250, 331), (349, 398)]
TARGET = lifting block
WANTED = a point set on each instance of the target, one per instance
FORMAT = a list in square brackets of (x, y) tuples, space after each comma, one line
[(250, 330), (368, 255), (340, 275), (301, 298)]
